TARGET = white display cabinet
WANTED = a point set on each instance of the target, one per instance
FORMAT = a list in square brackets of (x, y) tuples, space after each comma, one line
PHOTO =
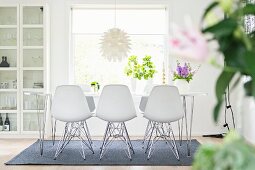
[(24, 41), (9, 76)]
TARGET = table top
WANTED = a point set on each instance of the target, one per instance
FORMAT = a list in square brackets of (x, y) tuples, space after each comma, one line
[(144, 95)]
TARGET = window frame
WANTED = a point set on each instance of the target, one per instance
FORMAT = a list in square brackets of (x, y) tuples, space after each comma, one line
[(121, 6)]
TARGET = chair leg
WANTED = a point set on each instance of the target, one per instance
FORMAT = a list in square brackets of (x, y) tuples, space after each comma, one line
[(72, 130), (112, 132), (105, 134), (149, 141), (84, 129), (174, 146), (146, 132), (62, 141), (129, 141), (87, 129), (158, 133)]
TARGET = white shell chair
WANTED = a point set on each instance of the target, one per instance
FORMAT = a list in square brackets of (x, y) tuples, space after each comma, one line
[(116, 106), (70, 105), (163, 107)]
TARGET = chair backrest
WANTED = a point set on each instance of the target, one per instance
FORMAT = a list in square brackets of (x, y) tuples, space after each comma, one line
[(116, 104), (143, 103), (70, 104), (85, 87), (164, 104)]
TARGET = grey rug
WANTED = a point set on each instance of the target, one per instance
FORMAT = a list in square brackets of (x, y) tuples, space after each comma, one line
[(115, 155)]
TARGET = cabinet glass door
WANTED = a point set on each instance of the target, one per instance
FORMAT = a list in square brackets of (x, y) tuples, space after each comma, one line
[(33, 79), (8, 80), (30, 121), (33, 58), (8, 37), (11, 57), (8, 16), (12, 120), (32, 15), (8, 101), (33, 37)]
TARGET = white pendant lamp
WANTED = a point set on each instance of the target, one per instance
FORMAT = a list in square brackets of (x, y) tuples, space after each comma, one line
[(115, 43)]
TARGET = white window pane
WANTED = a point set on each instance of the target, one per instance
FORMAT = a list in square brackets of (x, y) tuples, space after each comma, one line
[(146, 28), (92, 20), (91, 66), (133, 21), (142, 21)]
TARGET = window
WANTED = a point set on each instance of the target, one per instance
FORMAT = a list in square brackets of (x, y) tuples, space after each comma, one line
[(146, 27)]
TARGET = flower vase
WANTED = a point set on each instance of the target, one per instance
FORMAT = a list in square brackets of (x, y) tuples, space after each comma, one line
[(248, 119), (148, 86), (140, 86), (133, 85), (182, 85)]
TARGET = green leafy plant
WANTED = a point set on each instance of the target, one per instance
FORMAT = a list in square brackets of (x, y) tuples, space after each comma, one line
[(145, 70), (236, 43), (148, 68), (95, 85), (134, 69), (233, 154)]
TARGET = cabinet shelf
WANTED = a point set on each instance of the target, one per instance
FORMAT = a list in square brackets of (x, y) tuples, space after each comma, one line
[(8, 90), (8, 111), (32, 47), (8, 26), (8, 68), (32, 111), (39, 90), (8, 47), (33, 26), (33, 68), (9, 132)]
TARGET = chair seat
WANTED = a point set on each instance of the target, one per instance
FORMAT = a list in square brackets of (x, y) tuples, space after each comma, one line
[(155, 119), (68, 119), (115, 119)]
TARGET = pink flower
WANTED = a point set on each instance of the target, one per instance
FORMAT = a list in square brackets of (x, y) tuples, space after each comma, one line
[(189, 43)]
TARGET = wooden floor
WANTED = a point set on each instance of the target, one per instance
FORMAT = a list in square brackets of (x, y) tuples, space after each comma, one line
[(11, 147)]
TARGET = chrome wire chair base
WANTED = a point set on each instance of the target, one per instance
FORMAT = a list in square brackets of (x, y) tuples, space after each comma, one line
[(147, 132), (116, 131), (162, 131), (72, 130)]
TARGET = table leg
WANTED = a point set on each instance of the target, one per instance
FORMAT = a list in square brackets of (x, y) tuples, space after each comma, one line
[(188, 129), (180, 128), (41, 123), (186, 122)]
